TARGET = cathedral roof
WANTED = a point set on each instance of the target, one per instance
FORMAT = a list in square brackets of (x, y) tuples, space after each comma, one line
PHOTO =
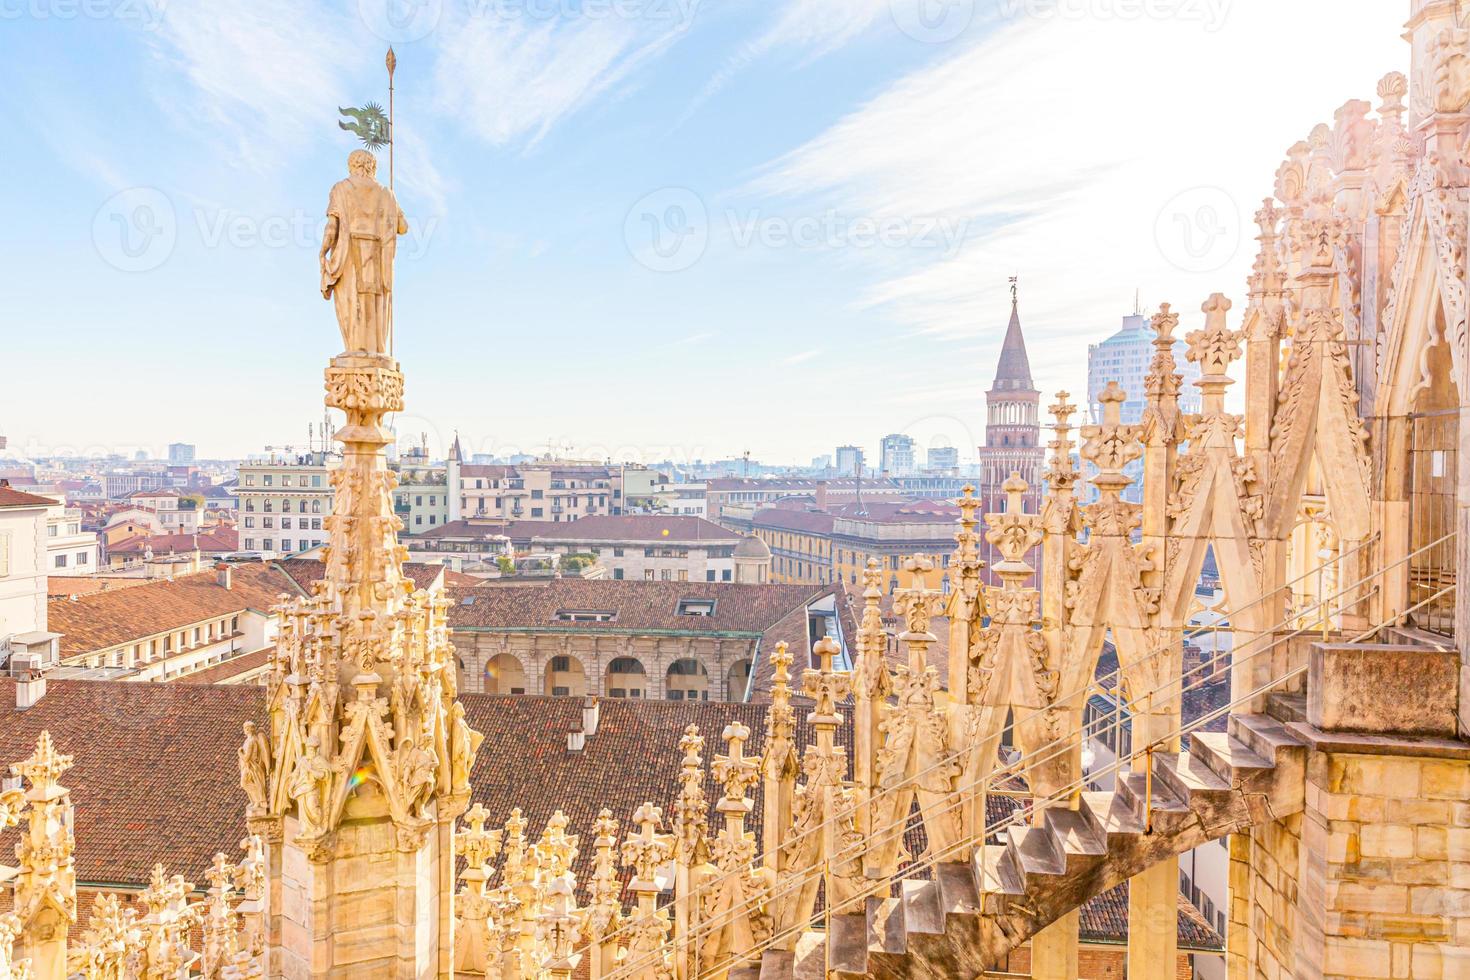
[(1013, 373)]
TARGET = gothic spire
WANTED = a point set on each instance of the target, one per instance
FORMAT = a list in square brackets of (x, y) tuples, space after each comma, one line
[(1013, 373)]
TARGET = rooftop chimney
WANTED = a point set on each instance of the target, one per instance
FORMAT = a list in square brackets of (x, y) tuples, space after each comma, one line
[(225, 574), (30, 683), (822, 497), (577, 741)]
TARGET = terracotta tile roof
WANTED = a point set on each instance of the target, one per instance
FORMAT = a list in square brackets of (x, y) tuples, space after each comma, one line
[(140, 749), (1105, 920), (509, 604), (787, 519), (106, 619), (154, 770), (651, 527), (477, 530), (305, 572), (69, 585), (164, 492), (210, 540), (10, 497), (222, 673), (793, 629), (488, 472)]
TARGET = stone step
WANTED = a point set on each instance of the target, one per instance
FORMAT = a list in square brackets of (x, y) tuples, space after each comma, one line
[(1228, 757), (998, 876), (849, 942), (1287, 708), (1265, 735), (778, 964), (1133, 789), (810, 957), (745, 973), (1076, 832), (1035, 851), (885, 926), (958, 894), (1112, 814), (1188, 777), (921, 909)]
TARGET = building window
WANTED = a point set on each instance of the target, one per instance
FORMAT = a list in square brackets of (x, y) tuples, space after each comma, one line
[(60, 561), (725, 575), (618, 574), (709, 575), (536, 511), (82, 558), (696, 607)]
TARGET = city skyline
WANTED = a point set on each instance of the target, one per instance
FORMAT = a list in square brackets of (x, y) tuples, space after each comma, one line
[(791, 301)]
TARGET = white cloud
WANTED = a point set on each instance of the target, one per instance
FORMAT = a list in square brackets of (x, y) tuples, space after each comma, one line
[(512, 79), (1067, 140), (267, 74), (801, 357)]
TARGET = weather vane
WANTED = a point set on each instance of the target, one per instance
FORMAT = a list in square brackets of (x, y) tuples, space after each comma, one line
[(371, 126), (1014, 281)]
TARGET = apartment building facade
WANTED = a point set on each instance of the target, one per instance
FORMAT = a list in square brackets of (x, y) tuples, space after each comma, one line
[(283, 503)]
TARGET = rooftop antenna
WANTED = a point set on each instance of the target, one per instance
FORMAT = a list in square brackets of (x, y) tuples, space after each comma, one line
[(1137, 306), (747, 463)]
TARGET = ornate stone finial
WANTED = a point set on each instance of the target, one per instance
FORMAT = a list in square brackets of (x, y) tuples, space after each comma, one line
[(870, 678), (967, 539), (734, 770), (604, 910), (1213, 349), (44, 769), (1391, 90), (691, 811), (1061, 475), (1161, 418), (1112, 445), (823, 685), (1013, 533), (556, 851), (474, 843), (647, 851), (1266, 273)]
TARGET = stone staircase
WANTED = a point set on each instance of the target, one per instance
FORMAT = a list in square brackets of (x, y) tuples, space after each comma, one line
[(969, 915)]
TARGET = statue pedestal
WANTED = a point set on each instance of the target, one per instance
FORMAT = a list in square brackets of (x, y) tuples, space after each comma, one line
[(364, 902)]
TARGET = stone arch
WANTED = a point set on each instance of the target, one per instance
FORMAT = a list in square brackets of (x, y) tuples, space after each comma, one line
[(737, 679), (1417, 428), (625, 677), (686, 680), (505, 674), (564, 675)]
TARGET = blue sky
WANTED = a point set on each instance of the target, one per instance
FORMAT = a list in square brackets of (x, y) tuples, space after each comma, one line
[(839, 189)]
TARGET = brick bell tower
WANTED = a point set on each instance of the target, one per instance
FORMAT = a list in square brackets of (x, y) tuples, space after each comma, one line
[(1012, 426)]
